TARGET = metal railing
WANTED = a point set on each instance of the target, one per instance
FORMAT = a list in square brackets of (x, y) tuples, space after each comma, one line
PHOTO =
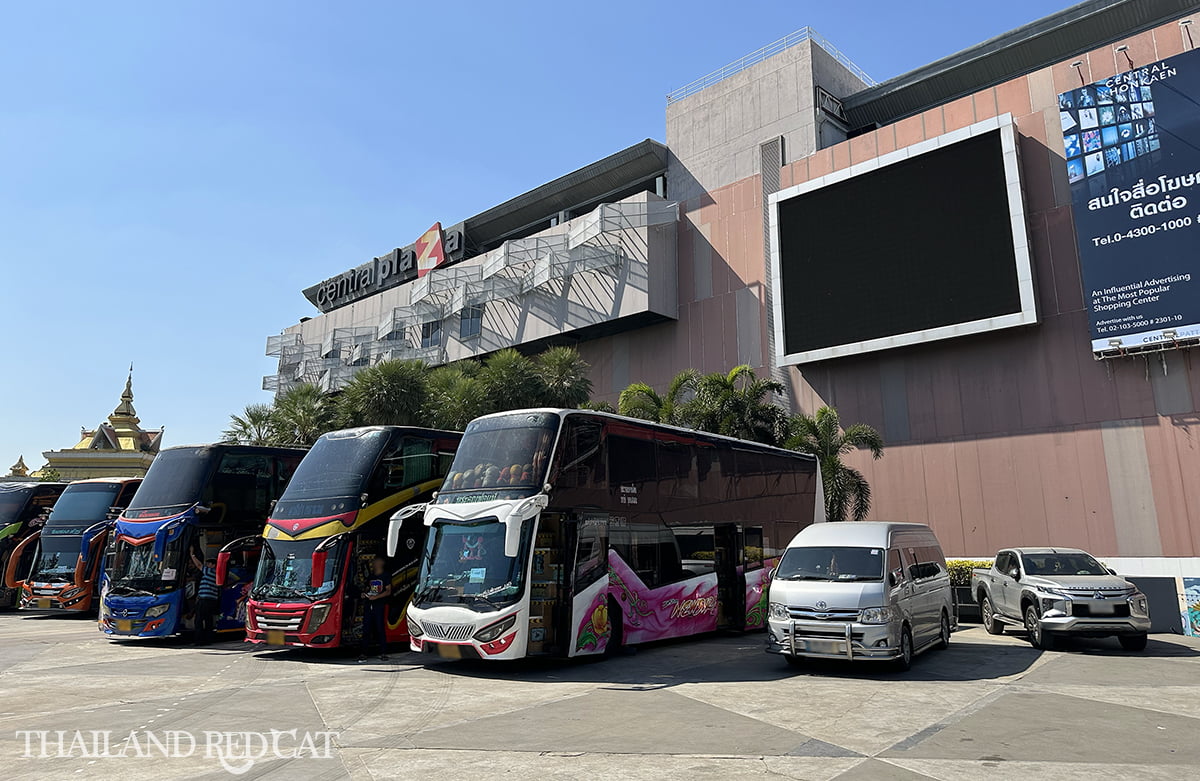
[(770, 50)]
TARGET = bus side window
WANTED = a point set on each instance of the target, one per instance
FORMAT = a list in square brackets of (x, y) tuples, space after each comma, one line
[(591, 555), (579, 465), (243, 484), (753, 544)]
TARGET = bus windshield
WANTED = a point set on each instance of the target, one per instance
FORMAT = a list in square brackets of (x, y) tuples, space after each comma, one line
[(12, 501), (285, 569), (174, 482), (135, 571), (831, 563), (56, 560), (504, 457), (83, 502), (464, 564), (333, 475)]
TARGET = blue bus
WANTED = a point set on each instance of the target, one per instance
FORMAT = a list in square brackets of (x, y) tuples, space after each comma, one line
[(193, 501)]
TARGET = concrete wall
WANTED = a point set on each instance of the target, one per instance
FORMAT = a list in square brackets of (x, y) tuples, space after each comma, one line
[(714, 134)]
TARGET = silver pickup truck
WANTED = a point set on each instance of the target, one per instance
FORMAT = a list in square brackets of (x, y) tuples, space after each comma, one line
[(1059, 591)]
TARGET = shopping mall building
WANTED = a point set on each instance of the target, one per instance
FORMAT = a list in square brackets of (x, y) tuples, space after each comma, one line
[(988, 259)]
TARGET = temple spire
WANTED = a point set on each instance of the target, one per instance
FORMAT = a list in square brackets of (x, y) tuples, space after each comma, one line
[(125, 408), (19, 469)]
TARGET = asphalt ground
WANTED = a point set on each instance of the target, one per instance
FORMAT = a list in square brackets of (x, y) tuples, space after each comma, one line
[(76, 705)]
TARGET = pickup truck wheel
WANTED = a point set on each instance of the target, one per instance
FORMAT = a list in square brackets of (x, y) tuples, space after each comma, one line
[(1133, 642), (794, 661), (944, 633), (987, 614), (904, 660), (1033, 625)]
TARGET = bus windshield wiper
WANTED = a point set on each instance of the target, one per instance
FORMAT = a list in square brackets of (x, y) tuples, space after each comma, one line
[(130, 590), (429, 592)]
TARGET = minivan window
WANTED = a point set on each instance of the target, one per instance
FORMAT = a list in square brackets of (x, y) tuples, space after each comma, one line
[(838, 563)]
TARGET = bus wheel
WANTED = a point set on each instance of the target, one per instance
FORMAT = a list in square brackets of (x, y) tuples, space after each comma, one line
[(616, 638)]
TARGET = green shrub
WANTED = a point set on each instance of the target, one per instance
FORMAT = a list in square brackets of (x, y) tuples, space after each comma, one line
[(960, 569)]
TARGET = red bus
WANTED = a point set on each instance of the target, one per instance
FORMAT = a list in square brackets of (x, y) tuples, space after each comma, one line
[(330, 524)]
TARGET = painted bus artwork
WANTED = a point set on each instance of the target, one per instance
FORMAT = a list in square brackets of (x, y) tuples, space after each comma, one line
[(193, 501), (570, 532), (324, 533)]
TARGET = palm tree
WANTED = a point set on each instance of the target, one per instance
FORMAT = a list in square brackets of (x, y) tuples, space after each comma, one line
[(255, 426), (301, 415), (511, 381), (598, 406), (564, 377), (640, 400), (390, 393), (454, 396), (821, 434), (736, 404)]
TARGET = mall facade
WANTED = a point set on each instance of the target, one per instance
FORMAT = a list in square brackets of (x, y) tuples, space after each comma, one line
[(905, 251)]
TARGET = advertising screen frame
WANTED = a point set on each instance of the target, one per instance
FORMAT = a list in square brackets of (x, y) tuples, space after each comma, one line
[(1026, 315)]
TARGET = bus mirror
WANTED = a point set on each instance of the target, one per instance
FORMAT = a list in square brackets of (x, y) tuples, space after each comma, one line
[(222, 568), (318, 568)]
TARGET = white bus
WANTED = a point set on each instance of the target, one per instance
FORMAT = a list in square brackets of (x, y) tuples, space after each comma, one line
[(570, 532)]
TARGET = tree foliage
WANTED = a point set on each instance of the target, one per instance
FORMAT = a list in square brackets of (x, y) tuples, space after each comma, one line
[(390, 393), (847, 493), (564, 376)]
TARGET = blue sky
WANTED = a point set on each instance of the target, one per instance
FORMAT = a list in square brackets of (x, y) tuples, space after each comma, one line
[(173, 174)]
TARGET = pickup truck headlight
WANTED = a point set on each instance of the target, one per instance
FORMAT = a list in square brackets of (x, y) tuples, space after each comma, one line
[(490, 633), (874, 615), (156, 611), (1138, 605), (316, 617), (778, 611)]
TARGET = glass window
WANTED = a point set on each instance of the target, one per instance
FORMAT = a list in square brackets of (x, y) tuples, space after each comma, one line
[(470, 322), (1057, 564), (505, 455), (697, 549), (83, 503), (753, 544), (591, 555), (580, 464), (631, 461), (650, 550), (895, 566), (173, 483), (831, 563), (242, 484), (465, 564), (431, 334)]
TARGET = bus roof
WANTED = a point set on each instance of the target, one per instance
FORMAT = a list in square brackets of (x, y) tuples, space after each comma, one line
[(263, 449), (419, 430), (649, 424), (117, 480)]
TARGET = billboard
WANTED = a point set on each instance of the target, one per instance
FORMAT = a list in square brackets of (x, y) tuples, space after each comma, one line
[(1132, 147), (927, 243)]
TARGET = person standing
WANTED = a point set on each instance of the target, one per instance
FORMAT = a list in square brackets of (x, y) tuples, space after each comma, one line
[(379, 588), (208, 600)]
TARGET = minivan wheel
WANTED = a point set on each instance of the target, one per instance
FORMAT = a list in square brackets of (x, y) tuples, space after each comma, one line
[(1038, 638), (988, 616), (904, 660), (944, 633), (1133, 642)]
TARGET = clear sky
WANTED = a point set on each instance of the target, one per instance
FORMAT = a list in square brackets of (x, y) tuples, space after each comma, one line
[(172, 175)]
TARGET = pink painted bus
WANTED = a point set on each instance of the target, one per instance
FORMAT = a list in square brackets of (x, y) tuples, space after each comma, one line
[(571, 533)]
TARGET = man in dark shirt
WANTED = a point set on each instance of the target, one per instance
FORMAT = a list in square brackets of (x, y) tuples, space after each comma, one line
[(379, 588), (208, 599)]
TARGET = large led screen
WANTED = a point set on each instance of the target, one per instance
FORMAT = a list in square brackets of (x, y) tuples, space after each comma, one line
[(928, 244)]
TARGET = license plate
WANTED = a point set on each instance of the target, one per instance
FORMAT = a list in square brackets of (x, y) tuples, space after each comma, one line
[(124, 625), (43, 603), (275, 637), (1103, 608), (821, 646), (447, 651)]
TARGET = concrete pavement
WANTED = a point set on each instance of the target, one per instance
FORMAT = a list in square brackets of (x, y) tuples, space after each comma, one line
[(717, 707)]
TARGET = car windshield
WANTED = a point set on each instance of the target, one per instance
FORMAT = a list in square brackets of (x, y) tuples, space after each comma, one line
[(173, 483), (503, 457), (135, 571), (831, 563), (57, 557), (285, 569), (464, 563), (87, 502), (1051, 564), (12, 502)]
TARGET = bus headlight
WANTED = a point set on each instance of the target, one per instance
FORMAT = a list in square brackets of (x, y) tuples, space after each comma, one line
[(490, 633), (874, 615), (414, 629), (316, 617), (778, 611), (156, 611)]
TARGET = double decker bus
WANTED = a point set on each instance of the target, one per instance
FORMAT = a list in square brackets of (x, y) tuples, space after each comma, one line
[(570, 532), (23, 509), (328, 527), (69, 548), (193, 500)]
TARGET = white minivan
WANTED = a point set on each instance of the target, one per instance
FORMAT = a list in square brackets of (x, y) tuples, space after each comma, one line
[(860, 590)]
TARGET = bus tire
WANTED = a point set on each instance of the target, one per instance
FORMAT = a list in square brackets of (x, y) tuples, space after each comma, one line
[(616, 638)]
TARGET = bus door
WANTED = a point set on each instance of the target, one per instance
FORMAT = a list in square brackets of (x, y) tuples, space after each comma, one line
[(582, 622), (546, 585), (731, 593)]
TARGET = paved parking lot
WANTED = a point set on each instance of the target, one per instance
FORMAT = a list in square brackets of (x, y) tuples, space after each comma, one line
[(990, 707)]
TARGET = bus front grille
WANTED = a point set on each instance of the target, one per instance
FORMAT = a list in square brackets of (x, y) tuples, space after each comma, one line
[(435, 631)]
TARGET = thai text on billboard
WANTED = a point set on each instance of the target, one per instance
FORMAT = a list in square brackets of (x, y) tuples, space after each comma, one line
[(1132, 146)]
